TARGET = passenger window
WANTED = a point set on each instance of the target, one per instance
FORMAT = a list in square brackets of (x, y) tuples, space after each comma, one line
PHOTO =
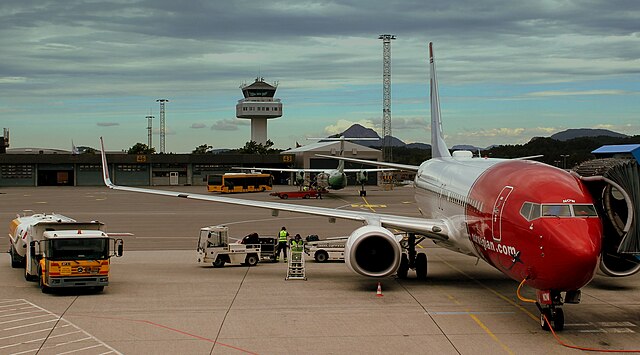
[(585, 210), (556, 211)]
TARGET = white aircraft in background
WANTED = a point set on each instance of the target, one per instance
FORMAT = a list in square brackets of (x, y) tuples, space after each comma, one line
[(535, 223), (334, 179)]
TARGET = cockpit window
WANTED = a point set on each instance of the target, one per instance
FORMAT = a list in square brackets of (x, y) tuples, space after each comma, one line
[(585, 211), (556, 211), (525, 211), (531, 211)]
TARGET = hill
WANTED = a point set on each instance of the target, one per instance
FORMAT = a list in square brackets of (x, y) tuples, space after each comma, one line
[(585, 132)]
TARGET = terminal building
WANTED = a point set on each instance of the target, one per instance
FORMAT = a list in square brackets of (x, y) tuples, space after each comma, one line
[(56, 168), (53, 167)]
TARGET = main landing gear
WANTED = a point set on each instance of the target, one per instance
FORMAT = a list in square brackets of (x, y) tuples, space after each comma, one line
[(411, 259), (363, 192), (549, 303)]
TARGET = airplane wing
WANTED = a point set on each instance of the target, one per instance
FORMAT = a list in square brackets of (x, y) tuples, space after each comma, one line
[(281, 170), (433, 228), (368, 170), (392, 166), (310, 170)]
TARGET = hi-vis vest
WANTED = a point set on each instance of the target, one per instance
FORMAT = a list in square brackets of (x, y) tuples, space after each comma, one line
[(283, 236)]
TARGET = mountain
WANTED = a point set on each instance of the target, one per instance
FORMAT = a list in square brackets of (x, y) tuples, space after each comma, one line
[(418, 146), (585, 132), (359, 131)]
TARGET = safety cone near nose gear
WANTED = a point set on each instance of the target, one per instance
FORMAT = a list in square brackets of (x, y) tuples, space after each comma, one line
[(379, 292)]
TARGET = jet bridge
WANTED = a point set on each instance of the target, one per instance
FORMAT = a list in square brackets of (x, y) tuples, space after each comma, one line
[(615, 185)]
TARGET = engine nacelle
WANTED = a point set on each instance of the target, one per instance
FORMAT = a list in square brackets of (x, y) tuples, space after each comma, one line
[(362, 176), (615, 264), (372, 251)]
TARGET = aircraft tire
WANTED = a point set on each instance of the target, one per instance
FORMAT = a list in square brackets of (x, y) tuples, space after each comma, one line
[(558, 319), (543, 322), (404, 267), (421, 266)]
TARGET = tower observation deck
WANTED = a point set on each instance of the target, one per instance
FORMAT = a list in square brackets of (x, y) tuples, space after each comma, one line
[(259, 105)]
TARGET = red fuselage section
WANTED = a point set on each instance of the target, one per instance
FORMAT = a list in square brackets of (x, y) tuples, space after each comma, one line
[(527, 219)]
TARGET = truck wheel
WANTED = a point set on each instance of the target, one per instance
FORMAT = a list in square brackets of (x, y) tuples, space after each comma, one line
[(251, 260), (306, 196), (98, 289), (43, 287), (321, 256), (30, 277), (219, 262), (16, 263), (284, 196)]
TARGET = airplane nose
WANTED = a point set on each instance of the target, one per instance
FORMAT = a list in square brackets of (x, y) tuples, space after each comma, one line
[(575, 248)]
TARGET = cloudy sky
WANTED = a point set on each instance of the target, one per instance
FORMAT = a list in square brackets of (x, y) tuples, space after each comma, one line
[(508, 70)]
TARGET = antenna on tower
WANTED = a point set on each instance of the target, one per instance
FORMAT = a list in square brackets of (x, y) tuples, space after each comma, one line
[(163, 132), (387, 149)]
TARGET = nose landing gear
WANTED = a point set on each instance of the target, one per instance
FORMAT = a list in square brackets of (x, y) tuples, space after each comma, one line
[(551, 314)]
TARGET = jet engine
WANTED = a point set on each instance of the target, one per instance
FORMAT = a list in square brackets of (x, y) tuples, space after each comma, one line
[(613, 185), (372, 251), (362, 176), (300, 177)]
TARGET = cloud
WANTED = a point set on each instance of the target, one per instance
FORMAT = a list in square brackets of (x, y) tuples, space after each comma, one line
[(495, 132), (342, 125), (408, 123), (12, 80), (577, 93), (198, 125), (229, 124), (107, 124)]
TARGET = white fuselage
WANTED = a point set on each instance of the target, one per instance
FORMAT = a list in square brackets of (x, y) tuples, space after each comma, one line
[(443, 186)]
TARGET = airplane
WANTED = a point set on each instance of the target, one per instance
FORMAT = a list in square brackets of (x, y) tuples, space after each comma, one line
[(535, 223), (334, 179)]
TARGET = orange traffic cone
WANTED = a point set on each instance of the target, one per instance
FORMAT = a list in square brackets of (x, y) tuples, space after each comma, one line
[(379, 292)]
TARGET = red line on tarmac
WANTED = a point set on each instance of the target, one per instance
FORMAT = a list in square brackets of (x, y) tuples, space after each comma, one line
[(180, 332)]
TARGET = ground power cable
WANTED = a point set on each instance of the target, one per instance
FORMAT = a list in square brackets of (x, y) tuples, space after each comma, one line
[(528, 300), (56, 324), (229, 309)]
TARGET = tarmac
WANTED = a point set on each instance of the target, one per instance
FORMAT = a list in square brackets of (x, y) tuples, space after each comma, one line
[(161, 301)]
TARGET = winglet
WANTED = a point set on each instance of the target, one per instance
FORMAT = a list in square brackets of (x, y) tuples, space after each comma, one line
[(438, 146), (105, 166)]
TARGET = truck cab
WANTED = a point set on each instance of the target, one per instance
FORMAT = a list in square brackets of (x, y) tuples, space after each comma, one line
[(214, 248), (73, 258)]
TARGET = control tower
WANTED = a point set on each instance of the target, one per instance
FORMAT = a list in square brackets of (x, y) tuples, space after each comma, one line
[(259, 105)]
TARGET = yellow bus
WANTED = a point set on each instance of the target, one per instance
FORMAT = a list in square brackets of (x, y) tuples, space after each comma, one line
[(239, 182)]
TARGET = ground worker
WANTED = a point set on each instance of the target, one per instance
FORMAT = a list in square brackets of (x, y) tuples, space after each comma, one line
[(282, 243)]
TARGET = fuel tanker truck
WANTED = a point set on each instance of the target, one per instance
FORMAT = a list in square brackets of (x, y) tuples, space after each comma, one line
[(61, 252)]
